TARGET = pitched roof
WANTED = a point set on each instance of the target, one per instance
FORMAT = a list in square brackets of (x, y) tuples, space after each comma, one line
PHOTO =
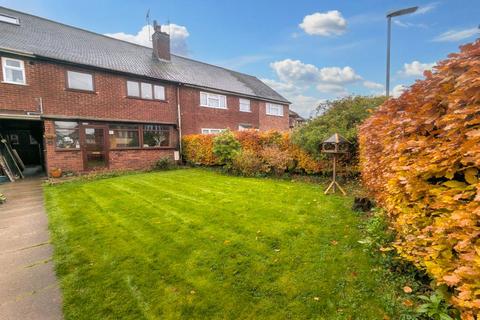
[(336, 138), (45, 38)]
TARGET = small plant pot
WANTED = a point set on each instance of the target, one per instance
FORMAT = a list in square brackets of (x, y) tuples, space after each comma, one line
[(56, 173)]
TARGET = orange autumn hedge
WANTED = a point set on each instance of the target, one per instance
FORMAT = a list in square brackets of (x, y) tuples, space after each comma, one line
[(198, 148), (420, 158)]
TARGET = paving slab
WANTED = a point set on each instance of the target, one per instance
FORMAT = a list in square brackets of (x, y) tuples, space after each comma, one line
[(28, 286)]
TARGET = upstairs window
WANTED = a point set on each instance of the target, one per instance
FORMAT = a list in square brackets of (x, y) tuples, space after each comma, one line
[(274, 109), (212, 100), (245, 105), (79, 80), (145, 90), (13, 71)]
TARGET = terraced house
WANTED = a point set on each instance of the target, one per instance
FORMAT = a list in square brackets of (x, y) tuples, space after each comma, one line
[(76, 100)]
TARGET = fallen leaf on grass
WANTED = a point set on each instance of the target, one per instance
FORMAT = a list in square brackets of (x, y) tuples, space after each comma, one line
[(334, 242), (407, 289), (408, 303)]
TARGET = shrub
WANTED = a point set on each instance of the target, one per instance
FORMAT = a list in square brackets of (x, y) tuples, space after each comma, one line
[(276, 160), (198, 149), (164, 163), (226, 147), (420, 158), (248, 163)]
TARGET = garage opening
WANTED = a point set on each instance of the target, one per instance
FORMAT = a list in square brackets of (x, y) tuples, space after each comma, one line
[(25, 138)]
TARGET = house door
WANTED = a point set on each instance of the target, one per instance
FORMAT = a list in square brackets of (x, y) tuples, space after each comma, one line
[(95, 150)]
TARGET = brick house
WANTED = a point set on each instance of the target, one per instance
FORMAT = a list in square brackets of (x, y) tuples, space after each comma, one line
[(76, 100)]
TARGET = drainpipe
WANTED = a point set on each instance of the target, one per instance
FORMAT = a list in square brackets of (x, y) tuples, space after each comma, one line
[(179, 116)]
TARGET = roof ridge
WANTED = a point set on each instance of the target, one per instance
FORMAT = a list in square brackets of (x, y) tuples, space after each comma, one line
[(74, 27)]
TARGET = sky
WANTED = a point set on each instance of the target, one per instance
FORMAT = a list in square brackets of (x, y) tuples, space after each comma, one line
[(309, 51)]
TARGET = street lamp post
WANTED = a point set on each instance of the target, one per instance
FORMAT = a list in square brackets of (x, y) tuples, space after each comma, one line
[(391, 14)]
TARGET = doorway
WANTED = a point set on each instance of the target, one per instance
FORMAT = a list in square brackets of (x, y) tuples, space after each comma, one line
[(26, 138), (95, 147)]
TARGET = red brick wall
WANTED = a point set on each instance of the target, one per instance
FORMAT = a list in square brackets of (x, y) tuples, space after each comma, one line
[(72, 160), (269, 122), (48, 81), (195, 117)]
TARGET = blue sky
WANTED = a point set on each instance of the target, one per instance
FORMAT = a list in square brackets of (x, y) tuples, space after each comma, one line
[(308, 50)]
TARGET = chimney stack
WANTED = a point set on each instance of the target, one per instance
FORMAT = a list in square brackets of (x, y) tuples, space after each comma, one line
[(160, 43)]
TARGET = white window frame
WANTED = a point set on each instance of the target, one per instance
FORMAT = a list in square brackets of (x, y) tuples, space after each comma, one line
[(5, 67), (213, 96), (211, 130), (69, 85), (269, 106), (244, 102)]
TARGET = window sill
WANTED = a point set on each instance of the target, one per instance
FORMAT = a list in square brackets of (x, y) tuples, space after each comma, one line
[(17, 83), (80, 91), (226, 108), (274, 115), (246, 111), (143, 99)]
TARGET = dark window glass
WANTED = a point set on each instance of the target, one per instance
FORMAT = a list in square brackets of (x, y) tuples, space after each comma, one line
[(67, 135), (124, 136), (156, 135)]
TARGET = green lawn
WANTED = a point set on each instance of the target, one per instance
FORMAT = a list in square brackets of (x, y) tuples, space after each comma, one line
[(195, 244)]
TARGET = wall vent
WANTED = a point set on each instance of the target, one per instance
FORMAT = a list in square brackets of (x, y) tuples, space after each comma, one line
[(9, 19)]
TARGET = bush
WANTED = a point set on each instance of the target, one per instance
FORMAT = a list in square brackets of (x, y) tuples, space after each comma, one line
[(164, 163), (198, 149), (420, 158), (277, 161), (342, 116), (226, 147), (248, 163)]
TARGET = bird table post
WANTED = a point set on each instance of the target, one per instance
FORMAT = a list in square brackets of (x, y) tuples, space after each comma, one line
[(335, 145)]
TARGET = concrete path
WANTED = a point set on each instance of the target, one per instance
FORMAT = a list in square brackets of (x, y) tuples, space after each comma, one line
[(28, 286)]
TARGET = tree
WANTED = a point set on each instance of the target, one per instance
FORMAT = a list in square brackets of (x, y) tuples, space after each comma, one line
[(342, 116)]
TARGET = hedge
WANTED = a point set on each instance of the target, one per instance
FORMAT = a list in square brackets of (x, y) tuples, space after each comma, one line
[(198, 149), (420, 158)]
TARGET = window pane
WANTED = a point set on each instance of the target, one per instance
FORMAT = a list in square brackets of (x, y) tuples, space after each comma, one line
[(13, 63), (203, 98), (67, 136), (223, 101), (156, 136), (124, 136), (80, 81), (159, 92), (13, 75), (244, 105), (146, 91), (133, 89)]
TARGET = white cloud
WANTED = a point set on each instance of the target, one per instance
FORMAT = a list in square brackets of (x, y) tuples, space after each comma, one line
[(286, 88), (398, 90), (325, 24), (456, 35), (416, 68), (337, 89), (373, 85), (294, 70), (178, 37), (338, 75)]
